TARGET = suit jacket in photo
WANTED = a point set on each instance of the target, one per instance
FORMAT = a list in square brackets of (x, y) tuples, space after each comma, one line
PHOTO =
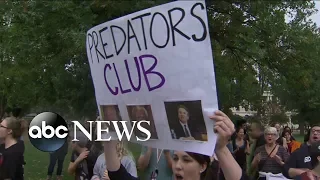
[(177, 131)]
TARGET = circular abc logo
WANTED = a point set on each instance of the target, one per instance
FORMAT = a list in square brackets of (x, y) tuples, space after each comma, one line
[(48, 132)]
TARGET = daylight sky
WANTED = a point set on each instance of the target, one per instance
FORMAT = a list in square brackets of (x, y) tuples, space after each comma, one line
[(316, 17)]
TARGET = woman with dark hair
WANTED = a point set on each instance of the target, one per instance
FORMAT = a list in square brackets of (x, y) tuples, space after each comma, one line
[(188, 165), (288, 129), (11, 152), (291, 143), (240, 147)]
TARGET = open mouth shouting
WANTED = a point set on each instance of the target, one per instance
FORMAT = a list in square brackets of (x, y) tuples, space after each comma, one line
[(178, 177)]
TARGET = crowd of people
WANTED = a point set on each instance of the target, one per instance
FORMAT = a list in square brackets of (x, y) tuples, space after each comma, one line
[(242, 151)]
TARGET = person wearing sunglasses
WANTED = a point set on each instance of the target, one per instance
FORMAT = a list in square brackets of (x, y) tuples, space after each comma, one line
[(12, 149)]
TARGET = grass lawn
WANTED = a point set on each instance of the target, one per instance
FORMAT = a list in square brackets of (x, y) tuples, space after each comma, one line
[(37, 161)]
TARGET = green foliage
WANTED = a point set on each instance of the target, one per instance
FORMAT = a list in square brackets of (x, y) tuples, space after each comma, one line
[(43, 62), (279, 118)]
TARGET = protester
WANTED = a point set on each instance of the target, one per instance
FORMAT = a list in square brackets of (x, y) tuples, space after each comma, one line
[(281, 140), (12, 150), (193, 166), (152, 158), (127, 160), (278, 127), (82, 160), (313, 174), (241, 147), (59, 156), (300, 160), (270, 157), (95, 147), (288, 129), (257, 135), (240, 123), (291, 143)]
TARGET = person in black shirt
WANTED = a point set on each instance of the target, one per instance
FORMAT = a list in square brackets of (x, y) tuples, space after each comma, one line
[(313, 174), (300, 160), (59, 156), (12, 150), (240, 147)]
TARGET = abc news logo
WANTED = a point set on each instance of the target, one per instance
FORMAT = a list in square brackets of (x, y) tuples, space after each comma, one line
[(48, 131)]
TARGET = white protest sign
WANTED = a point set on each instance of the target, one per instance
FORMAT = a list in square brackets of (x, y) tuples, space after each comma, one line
[(157, 65)]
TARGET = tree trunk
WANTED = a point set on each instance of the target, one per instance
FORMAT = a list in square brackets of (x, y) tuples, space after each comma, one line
[(301, 128)]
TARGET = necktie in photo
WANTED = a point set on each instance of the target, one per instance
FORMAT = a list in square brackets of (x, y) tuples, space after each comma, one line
[(186, 131)]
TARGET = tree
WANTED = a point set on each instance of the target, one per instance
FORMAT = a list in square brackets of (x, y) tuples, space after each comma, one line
[(44, 65)]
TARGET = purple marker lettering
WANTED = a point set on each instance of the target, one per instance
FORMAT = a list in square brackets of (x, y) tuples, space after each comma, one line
[(129, 74), (115, 92), (122, 91), (150, 71)]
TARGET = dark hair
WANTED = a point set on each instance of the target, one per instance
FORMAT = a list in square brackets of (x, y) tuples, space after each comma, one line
[(240, 122), (16, 126), (183, 107), (289, 129), (201, 159), (239, 128), (16, 112)]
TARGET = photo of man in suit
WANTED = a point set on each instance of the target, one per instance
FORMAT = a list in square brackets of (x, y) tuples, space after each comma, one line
[(183, 127)]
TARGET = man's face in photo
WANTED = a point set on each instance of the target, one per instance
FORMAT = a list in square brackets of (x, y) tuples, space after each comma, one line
[(183, 115)]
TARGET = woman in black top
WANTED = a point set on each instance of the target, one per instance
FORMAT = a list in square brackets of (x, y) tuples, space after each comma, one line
[(223, 126), (12, 150), (240, 147)]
